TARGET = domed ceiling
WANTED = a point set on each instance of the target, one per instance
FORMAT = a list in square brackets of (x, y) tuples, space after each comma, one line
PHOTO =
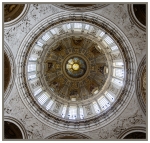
[(71, 71), (75, 70)]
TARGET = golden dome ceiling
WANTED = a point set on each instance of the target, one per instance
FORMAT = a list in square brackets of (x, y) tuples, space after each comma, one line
[(75, 68)]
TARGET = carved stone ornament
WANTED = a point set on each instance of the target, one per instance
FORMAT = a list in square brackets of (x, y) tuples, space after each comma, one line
[(67, 135), (141, 84), (80, 7)]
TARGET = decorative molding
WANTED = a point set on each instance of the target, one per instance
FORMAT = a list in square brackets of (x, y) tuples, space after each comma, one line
[(131, 130), (60, 135), (119, 128), (141, 95), (10, 56), (93, 7)]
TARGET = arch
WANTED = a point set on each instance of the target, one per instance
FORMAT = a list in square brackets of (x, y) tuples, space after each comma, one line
[(18, 126), (135, 19), (131, 130), (7, 71), (68, 135), (11, 63), (13, 15), (140, 84), (80, 7)]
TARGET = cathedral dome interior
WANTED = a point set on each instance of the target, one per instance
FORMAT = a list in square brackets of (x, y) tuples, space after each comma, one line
[(75, 71)]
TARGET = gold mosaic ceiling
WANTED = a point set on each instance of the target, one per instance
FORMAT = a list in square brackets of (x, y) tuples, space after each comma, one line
[(76, 71)]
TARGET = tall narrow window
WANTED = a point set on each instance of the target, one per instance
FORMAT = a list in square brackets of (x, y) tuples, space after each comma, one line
[(40, 44), (96, 108), (37, 91), (31, 67), (110, 97), (119, 63), (117, 81), (81, 113), (77, 25), (53, 31), (32, 59), (102, 34), (69, 26), (43, 98), (87, 27), (72, 112), (48, 106), (32, 76), (114, 48), (64, 111), (104, 103), (119, 73), (46, 37), (108, 40)]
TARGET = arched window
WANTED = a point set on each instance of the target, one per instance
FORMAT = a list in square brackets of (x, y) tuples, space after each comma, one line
[(96, 108), (43, 98), (37, 91), (108, 40), (117, 81), (31, 67), (64, 111), (104, 103), (46, 37), (110, 97), (119, 73), (72, 112), (48, 106), (81, 113)]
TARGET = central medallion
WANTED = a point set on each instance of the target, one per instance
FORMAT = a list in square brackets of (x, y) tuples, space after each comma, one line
[(76, 67)]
